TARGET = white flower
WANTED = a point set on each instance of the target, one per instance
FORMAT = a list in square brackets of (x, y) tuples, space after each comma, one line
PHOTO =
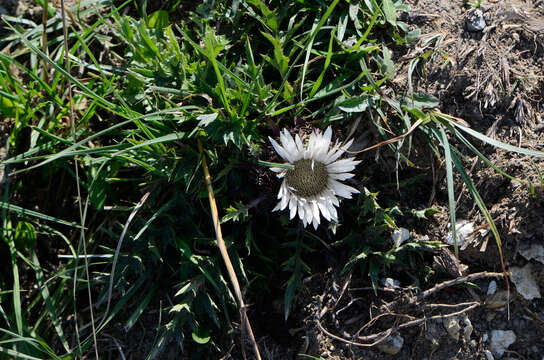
[(313, 186)]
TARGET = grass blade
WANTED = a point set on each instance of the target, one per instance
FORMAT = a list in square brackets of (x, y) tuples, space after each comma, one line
[(481, 205), (451, 195), (47, 299), (489, 140), (25, 212)]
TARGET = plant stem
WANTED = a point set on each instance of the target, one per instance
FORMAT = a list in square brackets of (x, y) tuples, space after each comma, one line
[(225, 255)]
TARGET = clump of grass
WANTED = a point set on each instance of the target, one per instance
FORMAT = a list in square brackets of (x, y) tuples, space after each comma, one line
[(147, 88)]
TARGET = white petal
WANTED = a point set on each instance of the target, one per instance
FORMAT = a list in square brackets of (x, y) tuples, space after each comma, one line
[(316, 223), (280, 150), (288, 143), (315, 210), (344, 165), (312, 145), (341, 189), (301, 211), (304, 222), (337, 151), (308, 213), (341, 176), (334, 153), (323, 207), (284, 201), (280, 172), (283, 189), (277, 207), (347, 145), (322, 145), (326, 139), (334, 214), (327, 136), (280, 193), (292, 207), (329, 196), (300, 146)]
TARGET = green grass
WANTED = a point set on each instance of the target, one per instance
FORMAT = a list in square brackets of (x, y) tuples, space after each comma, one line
[(146, 86)]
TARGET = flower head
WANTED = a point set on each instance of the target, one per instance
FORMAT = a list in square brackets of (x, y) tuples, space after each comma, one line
[(313, 185)]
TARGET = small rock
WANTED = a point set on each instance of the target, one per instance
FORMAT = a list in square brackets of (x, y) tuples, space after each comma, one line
[(475, 21), (467, 331), (488, 355), (525, 282), (500, 341), (400, 235), (464, 230), (446, 262), (390, 283), (391, 345), (451, 324), (492, 288), (515, 184), (533, 251)]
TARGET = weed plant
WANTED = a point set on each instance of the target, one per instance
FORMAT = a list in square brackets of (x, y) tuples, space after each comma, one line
[(147, 83)]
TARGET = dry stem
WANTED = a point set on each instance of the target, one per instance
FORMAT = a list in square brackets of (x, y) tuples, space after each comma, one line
[(225, 255), (362, 341)]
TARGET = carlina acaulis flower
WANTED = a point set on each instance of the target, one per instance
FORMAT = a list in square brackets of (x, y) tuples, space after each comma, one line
[(313, 185)]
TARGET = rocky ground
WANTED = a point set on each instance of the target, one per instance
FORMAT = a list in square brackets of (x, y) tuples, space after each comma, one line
[(488, 69)]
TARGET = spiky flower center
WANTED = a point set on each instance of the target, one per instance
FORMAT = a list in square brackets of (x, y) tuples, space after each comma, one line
[(308, 178)]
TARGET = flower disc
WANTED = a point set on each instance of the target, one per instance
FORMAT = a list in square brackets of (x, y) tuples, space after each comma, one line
[(308, 178)]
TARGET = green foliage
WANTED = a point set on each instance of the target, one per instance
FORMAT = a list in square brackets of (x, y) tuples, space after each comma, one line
[(474, 4), (371, 246), (238, 213)]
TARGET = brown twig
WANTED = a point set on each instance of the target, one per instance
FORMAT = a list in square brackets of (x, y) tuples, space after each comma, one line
[(363, 341), (457, 281), (225, 255), (344, 287), (389, 141), (381, 336), (438, 287), (447, 306)]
